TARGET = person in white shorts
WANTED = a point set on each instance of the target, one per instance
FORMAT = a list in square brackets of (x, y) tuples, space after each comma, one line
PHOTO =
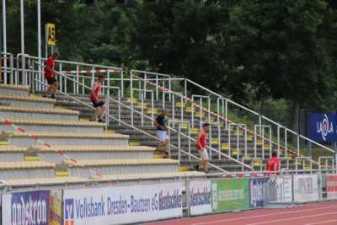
[(202, 147), (160, 124)]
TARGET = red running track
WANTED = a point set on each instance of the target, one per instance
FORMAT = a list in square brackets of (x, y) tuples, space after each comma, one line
[(309, 214)]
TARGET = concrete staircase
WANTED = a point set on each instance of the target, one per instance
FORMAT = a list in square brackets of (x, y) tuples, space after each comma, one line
[(42, 142), (237, 152)]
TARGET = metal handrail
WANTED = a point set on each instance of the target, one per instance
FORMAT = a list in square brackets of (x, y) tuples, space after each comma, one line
[(255, 113), (126, 124)]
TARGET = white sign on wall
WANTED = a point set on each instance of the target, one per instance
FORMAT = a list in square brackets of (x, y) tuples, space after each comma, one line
[(306, 188), (200, 197), (279, 189), (122, 204)]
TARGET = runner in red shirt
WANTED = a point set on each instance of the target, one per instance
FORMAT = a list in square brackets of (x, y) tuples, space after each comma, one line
[(201, 146), (274, 164), (95, 97), (49, 74)]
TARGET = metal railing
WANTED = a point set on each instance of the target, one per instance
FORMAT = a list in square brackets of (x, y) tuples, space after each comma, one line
[(223, 106), (167, 89), (132, 111)]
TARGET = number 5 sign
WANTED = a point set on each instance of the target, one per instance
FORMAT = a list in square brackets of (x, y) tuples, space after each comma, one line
[(50, 32)]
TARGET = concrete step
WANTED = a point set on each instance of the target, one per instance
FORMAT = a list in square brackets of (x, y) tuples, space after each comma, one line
[(8, 112), (13, 90), (51, 138), (26, 169), (55, 152), (83, 168), (107, 178), (27, 102), (53, 125)]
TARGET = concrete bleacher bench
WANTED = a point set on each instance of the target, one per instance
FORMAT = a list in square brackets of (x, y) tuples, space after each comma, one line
[(58, 138)]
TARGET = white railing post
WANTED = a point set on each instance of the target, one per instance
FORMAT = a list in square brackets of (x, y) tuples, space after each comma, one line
[(189, 142), (218, 110), (238, 140), (163, 95), (270, 142), (229, 139), (179, 143), (210, 134), (142, 110), (152, 107), (192, 111), (76, 85), (263, 149), (61, 79), (255, 142), (170, 88), (157, 88), (131, 97), (145, 81), (298, 145), (219, 140), (226, 113), (122, 82), (182, 109), (119, 107), (245, 137), (278, 140), (131, 85), (173, 113), (200, 112), (286, 142), (169, 144), (209, 109)]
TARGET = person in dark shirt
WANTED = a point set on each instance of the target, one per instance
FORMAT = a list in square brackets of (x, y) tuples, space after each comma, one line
[(161, 129)]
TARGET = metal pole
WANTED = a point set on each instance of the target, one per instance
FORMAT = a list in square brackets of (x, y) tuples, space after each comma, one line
[(219, 140), (39, 40), (4, 28), (22, 26)]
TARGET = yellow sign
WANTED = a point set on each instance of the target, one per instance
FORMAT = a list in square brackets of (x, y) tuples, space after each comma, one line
[(51, 34)]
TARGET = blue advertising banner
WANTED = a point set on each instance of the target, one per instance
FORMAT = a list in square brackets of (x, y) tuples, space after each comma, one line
[(21, 208), (258, 191), (322, 127)]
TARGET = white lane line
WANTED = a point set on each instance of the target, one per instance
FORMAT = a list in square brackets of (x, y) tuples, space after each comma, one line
[(292, 219), (263, 215), (322, 222)]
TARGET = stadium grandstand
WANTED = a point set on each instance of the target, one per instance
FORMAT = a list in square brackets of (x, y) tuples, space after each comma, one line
[(85, 143)]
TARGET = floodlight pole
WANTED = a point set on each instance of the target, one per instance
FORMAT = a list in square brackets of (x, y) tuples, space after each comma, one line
[(4, 29), (22, 26), (39, 41)]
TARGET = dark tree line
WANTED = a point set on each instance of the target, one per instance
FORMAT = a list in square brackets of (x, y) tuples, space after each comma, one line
[(268, 54)]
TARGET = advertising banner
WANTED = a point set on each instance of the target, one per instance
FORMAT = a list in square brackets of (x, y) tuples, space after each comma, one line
[(55, 207), (230, 194), (322, 127), (306, 188), (279, 189), (331, 187), (122, 204), (200, 197), (258, 191), (22, 208)]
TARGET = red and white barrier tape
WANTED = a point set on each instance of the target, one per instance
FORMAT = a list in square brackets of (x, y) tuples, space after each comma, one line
[(9, 123)]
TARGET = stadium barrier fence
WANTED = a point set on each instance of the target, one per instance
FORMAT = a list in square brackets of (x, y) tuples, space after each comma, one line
[(148, 201)]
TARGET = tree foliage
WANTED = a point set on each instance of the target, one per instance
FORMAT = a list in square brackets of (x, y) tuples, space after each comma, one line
[(250, 50)]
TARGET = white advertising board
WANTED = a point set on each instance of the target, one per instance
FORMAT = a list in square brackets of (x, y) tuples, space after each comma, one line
[(306, 188), (122, 204), (200, 197), (280, 189)]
